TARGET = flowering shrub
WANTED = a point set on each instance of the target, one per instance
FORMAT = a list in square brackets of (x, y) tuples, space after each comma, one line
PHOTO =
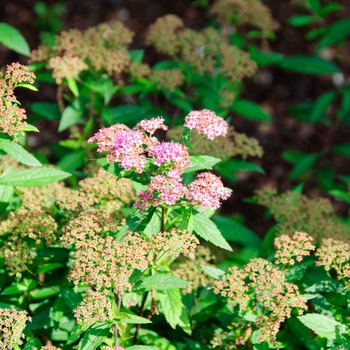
[(132, 253)]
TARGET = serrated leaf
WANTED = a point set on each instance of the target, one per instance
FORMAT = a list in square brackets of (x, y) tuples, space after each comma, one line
[(17, 152), (250, 110), (171, 303), (159, 282), (206, 229), (213, 272), (77, 331), (184, 321), (33, 177), (308, 65), (201, 163), (29, 127), (129, 317), (137, 222), (94, 336), (323, 326), (13, 39)]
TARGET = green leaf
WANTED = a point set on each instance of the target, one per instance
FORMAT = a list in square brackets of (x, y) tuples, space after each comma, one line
[(159, 282), (43, 293), (184, 321), (344, 110), (171, 303), (33, 177), (228, 168), (321, 105), (342, 149), (71, 298), (345, 196), (72, 161), (17, 152), (213, 272), (250, 110), (27, 86), (142, 347), (181, 103), (77, 331), (263, 58), (94, 336), (308, 65), (304, 165), (136, 55), (300, 20), (206, 229), (233, 231), (6, 193), (335, 34), (13, 39), (201, 163), (73, 86), (127, 114), (186, 137), (29, 127), (47, 110), (323, 326), (72, 115), (127, 316), (292, 156), (49, 267), (137, 222)]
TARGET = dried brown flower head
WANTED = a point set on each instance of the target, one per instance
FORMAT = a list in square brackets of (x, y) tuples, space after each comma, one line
[(233, 144), (28, 229), (139, 70), (103, 48), (168, 79), (12, 117), (333, 254), (207, 51), (241, 12), (261, 286), (103, 189), (163, 34), (295, 212), (12, 324), (66, 67), (291, 249)]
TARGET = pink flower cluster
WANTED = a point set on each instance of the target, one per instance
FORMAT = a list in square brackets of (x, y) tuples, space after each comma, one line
[(207, 191), (128, 151), (151, 125), (206, 122)]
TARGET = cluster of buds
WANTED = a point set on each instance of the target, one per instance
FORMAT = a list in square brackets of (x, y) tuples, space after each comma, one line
[(164, 162)]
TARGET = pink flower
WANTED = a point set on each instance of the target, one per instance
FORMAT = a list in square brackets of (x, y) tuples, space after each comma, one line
[(170, 189), (207, 191), (105, 137), (152, 125), (206, 122), (167, 152), (128, 151)]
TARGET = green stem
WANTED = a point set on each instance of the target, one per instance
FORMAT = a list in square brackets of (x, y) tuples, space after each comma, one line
[(140, 314)]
